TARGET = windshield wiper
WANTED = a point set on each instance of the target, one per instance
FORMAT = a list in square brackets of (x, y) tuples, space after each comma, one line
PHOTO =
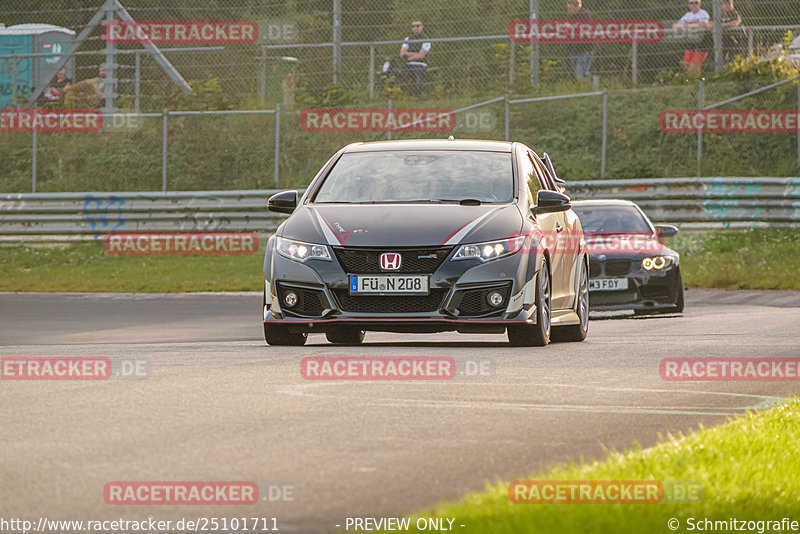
[(462, 201)]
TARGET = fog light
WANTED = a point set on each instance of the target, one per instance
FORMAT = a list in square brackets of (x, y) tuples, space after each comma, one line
[(290, 299), (495, 299)]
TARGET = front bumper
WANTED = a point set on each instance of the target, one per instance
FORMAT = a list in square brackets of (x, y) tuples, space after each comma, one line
[(647, 290), (456, 300)]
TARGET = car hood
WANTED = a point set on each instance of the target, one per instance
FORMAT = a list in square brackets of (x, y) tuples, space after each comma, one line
[(401, 225)]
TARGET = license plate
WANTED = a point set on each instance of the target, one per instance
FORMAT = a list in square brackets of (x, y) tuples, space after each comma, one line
[(394, 285), (608, 284)]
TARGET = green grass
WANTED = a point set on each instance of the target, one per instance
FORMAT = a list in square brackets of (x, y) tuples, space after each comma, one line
[(236, 152), (85, 267), (748, 468), (750, 259), (754, 259)]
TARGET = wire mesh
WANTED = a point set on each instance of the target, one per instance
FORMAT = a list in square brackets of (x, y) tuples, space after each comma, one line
[(471, 59)]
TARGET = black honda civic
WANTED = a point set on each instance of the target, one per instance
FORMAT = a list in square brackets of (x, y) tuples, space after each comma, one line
[(427, 236), (629, 266)]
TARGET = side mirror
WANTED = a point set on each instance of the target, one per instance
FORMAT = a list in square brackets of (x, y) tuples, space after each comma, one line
[(283, 202), (551, 202), (666, 230)]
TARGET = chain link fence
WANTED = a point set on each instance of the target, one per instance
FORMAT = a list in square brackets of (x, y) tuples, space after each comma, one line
[(331, 54)]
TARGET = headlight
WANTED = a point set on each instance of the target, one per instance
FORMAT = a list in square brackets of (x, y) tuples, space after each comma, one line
[(657, 263), (299, 251), (490, 250)]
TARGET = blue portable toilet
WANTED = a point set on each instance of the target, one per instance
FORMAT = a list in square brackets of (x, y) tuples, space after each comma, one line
[(18, 76)]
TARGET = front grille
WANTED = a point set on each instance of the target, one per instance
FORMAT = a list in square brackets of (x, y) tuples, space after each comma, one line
[(474, 303), (618, 267), (390, 303), (610, 298), (414, 261), (654, 291), (310, 302), (595, 269)]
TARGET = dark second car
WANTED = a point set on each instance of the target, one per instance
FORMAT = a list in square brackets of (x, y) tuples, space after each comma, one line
[(630, 268), (426, 236)]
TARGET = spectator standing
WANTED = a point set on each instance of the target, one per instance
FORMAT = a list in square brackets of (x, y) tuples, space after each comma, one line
[(695, 19), (414, 52), (580, 54), (733, 34)]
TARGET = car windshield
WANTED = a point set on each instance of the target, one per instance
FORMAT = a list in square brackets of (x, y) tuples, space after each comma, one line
[(612, 219), (430, 176)]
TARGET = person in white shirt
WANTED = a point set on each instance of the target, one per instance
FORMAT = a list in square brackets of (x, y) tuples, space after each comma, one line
[(695, 18)]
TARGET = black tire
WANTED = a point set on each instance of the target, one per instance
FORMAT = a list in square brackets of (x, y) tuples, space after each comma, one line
[(536, 335), (579, 331), (279, 336), (345, 336)]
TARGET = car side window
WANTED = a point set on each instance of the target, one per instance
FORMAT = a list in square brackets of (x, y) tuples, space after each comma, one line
[(531, 178)]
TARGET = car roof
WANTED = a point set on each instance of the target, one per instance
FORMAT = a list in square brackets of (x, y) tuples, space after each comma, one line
[(432, 144), (604, 202)]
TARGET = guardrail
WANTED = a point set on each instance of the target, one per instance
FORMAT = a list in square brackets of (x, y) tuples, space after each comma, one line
[(704, 203), (692, 203), (89, 216)]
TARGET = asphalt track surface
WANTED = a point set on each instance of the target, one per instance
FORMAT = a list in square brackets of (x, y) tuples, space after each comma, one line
[(217, 404)]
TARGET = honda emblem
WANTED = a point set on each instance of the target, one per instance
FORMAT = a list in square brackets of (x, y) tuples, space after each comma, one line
[(391, 261)]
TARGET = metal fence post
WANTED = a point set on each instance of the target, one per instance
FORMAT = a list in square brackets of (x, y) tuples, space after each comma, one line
[(371, 71), (110, 88), (512, 53), (164, 116), (337, 39), (389, 128), (33, 159), (717, 34), (635, 62), (605, 135), (137, 80), (533, 13), (700, 89), (277, 141), (262, 82), (507, 119)]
